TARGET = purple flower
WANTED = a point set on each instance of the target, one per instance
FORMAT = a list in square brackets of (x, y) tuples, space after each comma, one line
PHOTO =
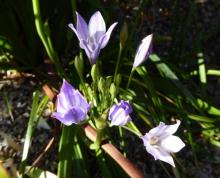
[(71, 105), (143, 51), (92, 37), (160, 142), (119, 113)]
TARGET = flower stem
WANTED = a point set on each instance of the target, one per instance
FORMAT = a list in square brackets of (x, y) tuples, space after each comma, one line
[(45, 38), (132, 131), (130, 77), (118, 61), (97, 143), (122, 140)]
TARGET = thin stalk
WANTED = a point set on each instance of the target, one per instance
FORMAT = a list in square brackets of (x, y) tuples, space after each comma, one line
[(39, 25), (122, 140), (98, 140), (193, 150), (132, 128), (213, 72), (202, 70), (45, 37), (118, 61), (132, 131), (130, 77), (34, 116), (165, 169), (179, 163), (176, 172), (209, 72)]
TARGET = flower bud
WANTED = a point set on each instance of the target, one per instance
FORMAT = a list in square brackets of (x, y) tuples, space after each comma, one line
[(78, 63), (119, 113)]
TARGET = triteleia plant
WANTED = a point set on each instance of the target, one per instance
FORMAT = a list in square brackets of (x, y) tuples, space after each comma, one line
[(96, 103)]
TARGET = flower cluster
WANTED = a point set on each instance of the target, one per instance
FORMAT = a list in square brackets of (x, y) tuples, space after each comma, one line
[(72, 107)]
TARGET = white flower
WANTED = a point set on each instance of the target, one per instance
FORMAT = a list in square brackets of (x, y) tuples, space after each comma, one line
[(160, 142)]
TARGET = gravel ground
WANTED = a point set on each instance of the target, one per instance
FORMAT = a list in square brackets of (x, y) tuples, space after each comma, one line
[(16, 95)]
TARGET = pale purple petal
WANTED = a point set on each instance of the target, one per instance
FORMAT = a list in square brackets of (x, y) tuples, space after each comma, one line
[(126, 106), (119, 113), (146, 138), (80, 101), (71, 105), (82, 28), (78, 114), (74, 115), (90, 52), (143, 51), (171, 129), (74, 30), (67, 92), (96, 24), (62, 103), (95, 55), (162, 155), (118, 117), (172, 144), (156, 151), (107, 35), (158, 130), (66, 120)]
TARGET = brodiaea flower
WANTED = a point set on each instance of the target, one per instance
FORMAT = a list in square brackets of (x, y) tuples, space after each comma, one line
[(143, 51), (92, 37), (119, 113), (71, 105), (160, 142)]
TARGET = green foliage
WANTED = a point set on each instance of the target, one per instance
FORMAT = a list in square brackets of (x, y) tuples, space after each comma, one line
[(37, 109), (159, 90)]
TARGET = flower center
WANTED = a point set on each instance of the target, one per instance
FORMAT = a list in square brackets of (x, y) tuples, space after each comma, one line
[(154, 140), (92, 43)]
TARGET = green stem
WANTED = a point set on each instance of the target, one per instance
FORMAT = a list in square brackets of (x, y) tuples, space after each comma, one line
[(209, 72), (165, 169), (45, 38), (97, 143), (132, 131), (65, 152), (130, 77), (122, 140), (118, 61), (202, 69)]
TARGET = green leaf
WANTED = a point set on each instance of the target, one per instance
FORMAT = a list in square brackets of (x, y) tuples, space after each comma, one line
[(202, 118), (37, 109), (168, 73)]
